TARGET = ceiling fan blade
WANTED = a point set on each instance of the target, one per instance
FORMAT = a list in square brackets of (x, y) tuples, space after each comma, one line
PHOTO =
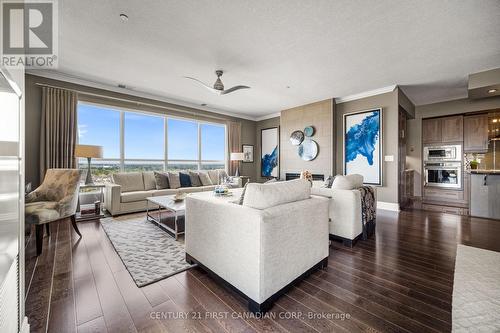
[(230, 90), (203, 84)]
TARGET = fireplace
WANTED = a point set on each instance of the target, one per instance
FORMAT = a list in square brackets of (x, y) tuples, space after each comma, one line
[(290, 176)]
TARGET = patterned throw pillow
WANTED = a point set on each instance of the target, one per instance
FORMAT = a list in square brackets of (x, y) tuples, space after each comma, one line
[(174, 180), (205, 179), (161, 179), (184, 179), (328, 182), (242, 197), (195, 179)]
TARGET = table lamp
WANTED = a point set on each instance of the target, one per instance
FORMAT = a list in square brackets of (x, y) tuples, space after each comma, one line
[(89, 152), (237, 157)]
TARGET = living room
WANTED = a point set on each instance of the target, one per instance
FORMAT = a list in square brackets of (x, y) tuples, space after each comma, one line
[(250, 166)]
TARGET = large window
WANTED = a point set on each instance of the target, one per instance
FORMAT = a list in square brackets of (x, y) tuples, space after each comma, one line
[(135, 141)]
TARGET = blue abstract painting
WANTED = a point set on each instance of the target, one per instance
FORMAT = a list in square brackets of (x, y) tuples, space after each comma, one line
[(362, 145), (270, 152)]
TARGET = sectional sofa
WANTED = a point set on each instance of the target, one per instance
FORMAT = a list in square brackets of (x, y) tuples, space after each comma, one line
[(128, 191)]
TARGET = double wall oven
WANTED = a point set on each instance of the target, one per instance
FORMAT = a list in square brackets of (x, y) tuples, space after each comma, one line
[(443, 166)]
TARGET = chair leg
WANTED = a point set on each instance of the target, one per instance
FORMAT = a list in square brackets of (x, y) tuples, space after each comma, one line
[(39, 238), (47, 227), (73, 223)]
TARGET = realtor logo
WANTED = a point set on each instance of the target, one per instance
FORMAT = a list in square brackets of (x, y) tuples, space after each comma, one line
[(29, 33)]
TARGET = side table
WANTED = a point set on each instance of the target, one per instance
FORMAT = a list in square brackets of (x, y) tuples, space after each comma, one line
[(90, 217)]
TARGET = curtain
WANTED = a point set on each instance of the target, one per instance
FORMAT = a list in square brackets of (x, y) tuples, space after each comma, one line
[(58, 129), (234, 140)]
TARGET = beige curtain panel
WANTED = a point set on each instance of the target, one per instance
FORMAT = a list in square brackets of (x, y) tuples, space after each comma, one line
[(234, 140), (58, 129)]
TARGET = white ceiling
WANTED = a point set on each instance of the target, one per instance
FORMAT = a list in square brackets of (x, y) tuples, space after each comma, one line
[(321, 49)]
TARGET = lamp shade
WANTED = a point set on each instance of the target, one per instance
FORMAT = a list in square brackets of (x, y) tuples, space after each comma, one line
[(88, 151), (237, 156)]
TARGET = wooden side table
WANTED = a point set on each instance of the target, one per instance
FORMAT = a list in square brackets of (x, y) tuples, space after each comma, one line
[(90, 217)]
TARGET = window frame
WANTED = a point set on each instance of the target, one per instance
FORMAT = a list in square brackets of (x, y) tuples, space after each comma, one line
[(122, 160)]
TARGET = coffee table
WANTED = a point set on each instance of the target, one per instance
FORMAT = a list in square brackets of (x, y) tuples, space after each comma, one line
[(166, 203)]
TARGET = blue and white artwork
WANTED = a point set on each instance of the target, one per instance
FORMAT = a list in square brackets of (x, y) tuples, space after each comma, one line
[(269, 139), (362, 145)]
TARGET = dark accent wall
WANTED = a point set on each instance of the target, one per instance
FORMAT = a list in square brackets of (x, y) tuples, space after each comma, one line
[(33, 94)]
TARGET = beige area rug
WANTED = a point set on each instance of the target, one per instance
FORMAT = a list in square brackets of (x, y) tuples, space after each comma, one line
[(476, 290)]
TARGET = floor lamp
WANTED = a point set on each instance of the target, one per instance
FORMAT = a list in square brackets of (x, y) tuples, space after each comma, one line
[(237, 157), (88, 152)]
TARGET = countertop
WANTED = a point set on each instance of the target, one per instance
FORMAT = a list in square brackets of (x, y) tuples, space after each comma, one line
[(485, 172)]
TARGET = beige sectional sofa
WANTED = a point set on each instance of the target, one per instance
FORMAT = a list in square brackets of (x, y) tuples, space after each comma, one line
[(128, 191)]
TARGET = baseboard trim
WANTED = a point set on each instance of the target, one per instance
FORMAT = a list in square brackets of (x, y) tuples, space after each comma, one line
[(388, 206)]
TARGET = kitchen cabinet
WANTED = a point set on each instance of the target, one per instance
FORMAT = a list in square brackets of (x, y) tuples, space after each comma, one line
[(431, 130), (476, 133), (443, 130), (452, 129)]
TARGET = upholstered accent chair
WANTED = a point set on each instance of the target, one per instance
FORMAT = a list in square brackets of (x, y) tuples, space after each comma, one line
[(55, 199)]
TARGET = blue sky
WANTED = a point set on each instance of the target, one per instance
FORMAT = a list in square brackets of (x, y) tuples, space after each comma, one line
[(144, 135)]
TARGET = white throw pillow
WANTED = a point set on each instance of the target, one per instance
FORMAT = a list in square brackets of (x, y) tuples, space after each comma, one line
[(205, 178), (349, 182), (262, 196)]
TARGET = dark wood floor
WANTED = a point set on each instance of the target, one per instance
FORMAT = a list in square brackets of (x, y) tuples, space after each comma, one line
[(399, 281)]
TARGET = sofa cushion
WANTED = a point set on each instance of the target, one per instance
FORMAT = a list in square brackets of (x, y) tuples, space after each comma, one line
[(136, 196), (214, 176), (184, 179), (262, 196), (174, 180), (195, 179), (205, 179), (161, 180), (348, 182), (149, 180), (167, 191), (129, 181)]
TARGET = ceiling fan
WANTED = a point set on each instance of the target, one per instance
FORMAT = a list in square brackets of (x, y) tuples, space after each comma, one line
[(218, 87)]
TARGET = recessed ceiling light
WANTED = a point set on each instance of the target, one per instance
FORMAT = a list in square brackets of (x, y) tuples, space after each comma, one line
[(492, 91), (495, 120), (287, 87), (124, 17)]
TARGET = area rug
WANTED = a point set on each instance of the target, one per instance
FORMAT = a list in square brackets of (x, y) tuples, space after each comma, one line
[(476, 290), (148, 252)]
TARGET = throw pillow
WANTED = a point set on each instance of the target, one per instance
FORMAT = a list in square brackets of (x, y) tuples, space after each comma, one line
[(174, 180), (184, 179), (161, 179), (222, 175), (242, 197), (328, 182), (194, 178), (205, 179)]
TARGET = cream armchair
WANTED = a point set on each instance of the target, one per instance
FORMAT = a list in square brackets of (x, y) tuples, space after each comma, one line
[(55, 199)]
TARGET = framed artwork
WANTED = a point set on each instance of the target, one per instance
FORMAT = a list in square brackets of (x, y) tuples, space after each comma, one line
[(269, 150), (247, 153), (363, 145)]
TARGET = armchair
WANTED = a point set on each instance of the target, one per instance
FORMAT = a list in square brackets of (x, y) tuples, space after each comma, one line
[(55, 199)]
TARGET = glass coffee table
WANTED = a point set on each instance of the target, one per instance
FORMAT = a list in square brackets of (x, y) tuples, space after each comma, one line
[(167, 204)]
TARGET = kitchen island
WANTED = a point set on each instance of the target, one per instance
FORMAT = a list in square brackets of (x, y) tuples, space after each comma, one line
[(485, 193)]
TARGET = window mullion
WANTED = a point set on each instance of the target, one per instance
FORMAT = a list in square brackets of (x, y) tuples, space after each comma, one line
[(165, 139), (199, 146), (122, 141)]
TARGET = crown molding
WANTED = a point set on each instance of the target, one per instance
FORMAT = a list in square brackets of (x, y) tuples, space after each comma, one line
[(365, 94), (54, 75), (268, 116)]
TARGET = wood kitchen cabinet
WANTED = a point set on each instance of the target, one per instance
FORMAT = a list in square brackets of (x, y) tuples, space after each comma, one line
[(443, 130), (476, 133), (452, 129), (431, 130)]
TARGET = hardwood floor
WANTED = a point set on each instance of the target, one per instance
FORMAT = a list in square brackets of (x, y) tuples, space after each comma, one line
[(401, 280)]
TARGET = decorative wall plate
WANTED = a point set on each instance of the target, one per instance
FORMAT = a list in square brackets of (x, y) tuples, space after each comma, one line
[(296, 138), (308, 150), (309, 131)]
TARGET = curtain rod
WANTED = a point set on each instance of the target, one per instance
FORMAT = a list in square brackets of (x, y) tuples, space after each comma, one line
[(192, 113)]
